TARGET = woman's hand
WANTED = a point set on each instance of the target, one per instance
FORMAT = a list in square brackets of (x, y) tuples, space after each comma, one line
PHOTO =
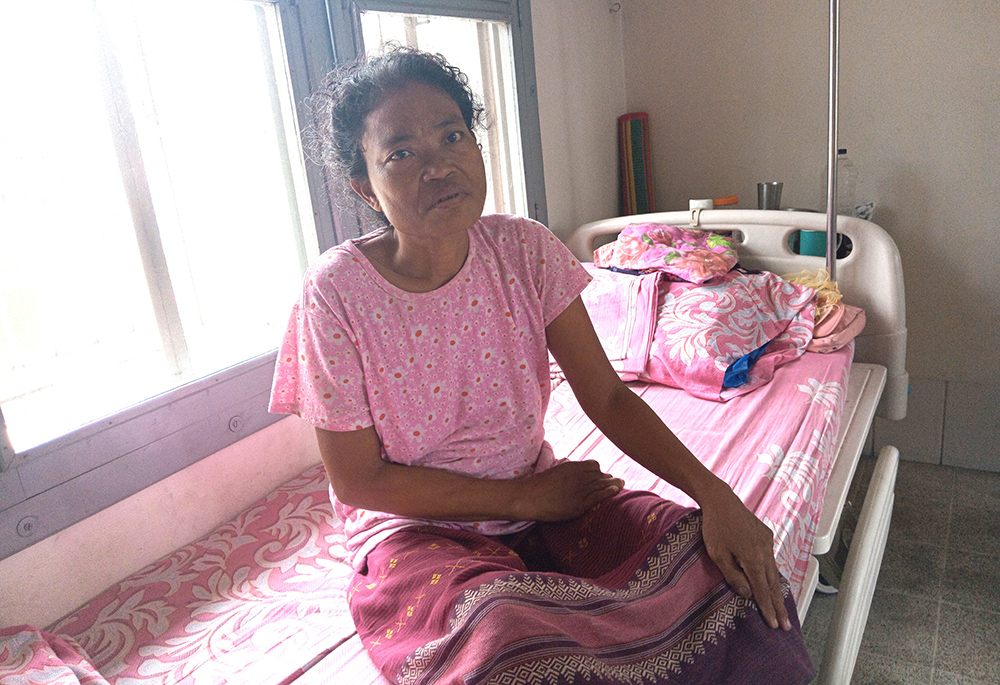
[(564, 492), (743, 549)]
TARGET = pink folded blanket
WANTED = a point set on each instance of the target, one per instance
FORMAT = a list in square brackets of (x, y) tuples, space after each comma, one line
[(696, 336)]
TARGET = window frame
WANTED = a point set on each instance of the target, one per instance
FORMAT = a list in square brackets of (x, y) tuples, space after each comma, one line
[(50, 487)]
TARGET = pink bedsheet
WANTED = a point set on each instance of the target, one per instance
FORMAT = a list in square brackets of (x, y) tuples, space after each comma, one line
[(29, 655), (774, 446), (259, 600)]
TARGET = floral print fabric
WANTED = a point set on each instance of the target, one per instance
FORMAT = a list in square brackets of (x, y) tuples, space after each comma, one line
[(256, 601), (701, 331), (687, 254), (29, 656)]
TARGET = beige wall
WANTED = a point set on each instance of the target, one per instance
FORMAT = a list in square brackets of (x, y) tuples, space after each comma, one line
[(737, 94), (581, 94)]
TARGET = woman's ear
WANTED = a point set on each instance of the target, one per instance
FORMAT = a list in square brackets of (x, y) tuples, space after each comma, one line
[(363, 187)]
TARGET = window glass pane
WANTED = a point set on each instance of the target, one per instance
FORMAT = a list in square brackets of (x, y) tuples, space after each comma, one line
[(482, 50), (155, 221)]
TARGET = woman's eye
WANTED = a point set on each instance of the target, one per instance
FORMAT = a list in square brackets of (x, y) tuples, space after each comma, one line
[(454, 136), (399, 154)]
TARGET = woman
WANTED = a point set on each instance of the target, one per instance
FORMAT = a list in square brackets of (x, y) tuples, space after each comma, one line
[(420, 353)]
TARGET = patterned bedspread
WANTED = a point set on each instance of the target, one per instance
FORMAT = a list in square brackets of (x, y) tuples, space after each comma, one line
[(257, 601)]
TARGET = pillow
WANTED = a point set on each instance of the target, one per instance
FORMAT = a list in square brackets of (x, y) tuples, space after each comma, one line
[(688, 254)]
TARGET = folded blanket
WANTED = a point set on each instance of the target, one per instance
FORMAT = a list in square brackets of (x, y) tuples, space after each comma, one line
[(715, 340), (622, 308)]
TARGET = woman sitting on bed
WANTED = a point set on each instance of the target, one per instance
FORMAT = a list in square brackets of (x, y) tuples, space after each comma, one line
[(420, 354)]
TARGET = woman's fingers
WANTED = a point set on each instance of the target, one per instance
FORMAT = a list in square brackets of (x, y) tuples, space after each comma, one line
[(606, 487), (743, 549), (766, 590), (779, 597), (753, 579), (570, 489)]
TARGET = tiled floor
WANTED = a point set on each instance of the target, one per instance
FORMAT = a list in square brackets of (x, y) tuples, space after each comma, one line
[(935, 616)]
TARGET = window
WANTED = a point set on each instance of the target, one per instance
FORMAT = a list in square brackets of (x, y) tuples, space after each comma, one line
[(154, 202), (156, 216)]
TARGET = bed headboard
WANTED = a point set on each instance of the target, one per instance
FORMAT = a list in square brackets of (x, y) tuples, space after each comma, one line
[(870, 277)]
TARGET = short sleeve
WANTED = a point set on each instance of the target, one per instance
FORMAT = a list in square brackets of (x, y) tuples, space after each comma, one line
[(319, 374), (558, 276)]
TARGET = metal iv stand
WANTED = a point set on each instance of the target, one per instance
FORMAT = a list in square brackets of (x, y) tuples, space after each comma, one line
[(831, 176)]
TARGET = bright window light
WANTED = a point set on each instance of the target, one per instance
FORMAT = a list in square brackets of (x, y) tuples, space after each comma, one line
[(154, 213)]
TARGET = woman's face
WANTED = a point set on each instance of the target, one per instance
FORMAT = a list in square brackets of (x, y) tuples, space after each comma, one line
[(425, 169)]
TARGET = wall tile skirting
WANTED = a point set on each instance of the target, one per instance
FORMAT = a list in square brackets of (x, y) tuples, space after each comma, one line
[(948, 422)]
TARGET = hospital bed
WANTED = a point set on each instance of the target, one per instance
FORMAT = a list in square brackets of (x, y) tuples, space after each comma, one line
[(261, 598), (870, 277)]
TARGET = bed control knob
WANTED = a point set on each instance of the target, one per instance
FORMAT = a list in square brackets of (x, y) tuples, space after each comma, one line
[(236, 424), (27, 526)]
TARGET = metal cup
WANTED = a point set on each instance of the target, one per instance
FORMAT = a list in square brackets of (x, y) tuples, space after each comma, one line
[(769, 195)]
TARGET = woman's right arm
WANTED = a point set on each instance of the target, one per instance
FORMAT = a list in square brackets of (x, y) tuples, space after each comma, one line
[(361, 478)]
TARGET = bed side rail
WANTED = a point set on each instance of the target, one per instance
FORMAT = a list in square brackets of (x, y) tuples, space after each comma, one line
[(860, 573)]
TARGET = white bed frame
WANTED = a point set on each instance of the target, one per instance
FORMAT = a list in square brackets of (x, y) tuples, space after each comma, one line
[(871, 277)]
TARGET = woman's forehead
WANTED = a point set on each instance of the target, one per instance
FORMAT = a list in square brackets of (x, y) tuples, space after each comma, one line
[(408, 111)]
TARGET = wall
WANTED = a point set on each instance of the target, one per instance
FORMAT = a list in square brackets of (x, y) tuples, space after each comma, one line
[(581, 94), (736, 94)]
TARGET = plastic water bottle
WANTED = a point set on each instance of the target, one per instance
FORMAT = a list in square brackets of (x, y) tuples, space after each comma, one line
[(847, 184)]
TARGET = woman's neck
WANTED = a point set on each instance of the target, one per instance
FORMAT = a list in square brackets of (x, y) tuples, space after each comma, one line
[(414, 265)]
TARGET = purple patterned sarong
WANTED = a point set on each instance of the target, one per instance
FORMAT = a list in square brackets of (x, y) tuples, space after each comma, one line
[(625, 594)]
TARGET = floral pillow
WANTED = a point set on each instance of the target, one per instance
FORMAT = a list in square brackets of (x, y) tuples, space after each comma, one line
[(688, 254)]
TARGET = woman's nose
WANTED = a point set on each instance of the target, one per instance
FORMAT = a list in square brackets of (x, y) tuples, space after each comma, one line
[(438, 164)]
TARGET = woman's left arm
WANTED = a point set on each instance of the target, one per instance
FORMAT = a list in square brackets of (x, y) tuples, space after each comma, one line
[(736, 540)]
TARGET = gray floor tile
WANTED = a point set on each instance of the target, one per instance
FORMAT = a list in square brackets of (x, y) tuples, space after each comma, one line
[(969, 643), (978, 488), (914, 568), (972, 580), (945, 678), (816, 625), (974, 529), (901, 627), (924, 482), (920, 521), (877, 669)]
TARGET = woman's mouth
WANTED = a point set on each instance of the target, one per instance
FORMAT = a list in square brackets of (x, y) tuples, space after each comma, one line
[(447, 200)]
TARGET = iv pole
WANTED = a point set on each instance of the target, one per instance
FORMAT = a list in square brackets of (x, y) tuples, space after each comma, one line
[(831, 176)]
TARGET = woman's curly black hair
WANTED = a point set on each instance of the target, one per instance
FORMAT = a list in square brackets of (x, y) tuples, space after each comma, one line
[(349, 94)]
